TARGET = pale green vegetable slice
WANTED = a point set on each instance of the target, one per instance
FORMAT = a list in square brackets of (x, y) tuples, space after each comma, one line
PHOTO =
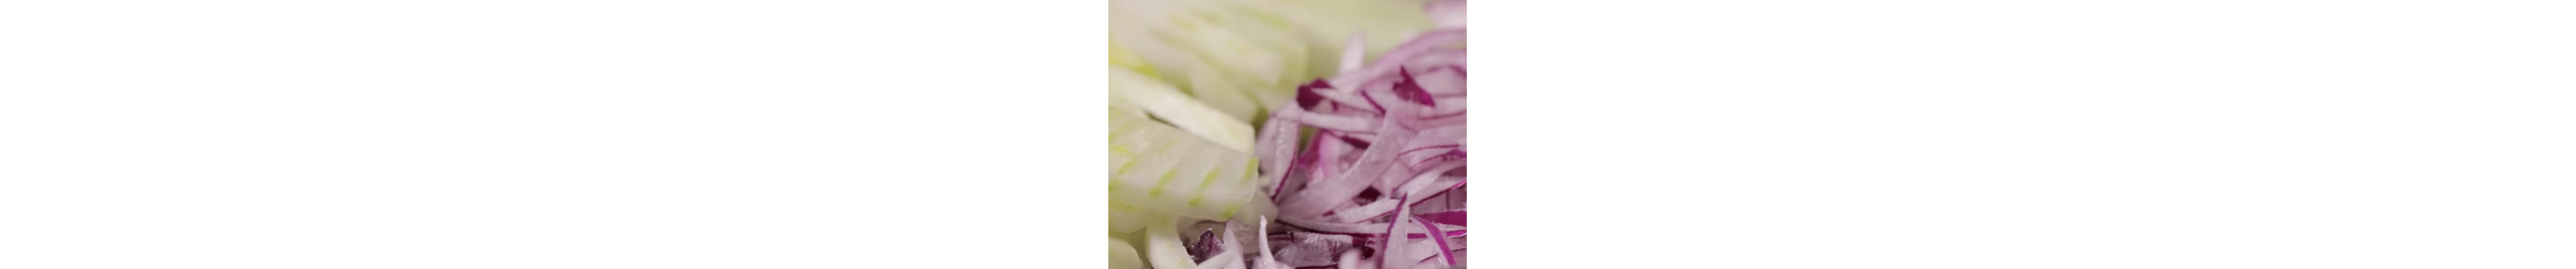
[(1123, 255), (1166, 170), (1162, 101), (1163, 246)]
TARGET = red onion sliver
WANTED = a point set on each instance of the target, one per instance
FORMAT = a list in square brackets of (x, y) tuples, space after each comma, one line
[(1371, 230), (1354, 52), (1269, 261), (1416, 157), (1326, 121), (1392, 105), (1415, 252), (1459, 120), (1361, 137), (1347, 98), (1444, 133), (1425, 160), (1394, 244), (1443, 241), (1443, 81), (1420, 184), (1424, 149), (1277, 145), (1452, 217), (1450, 105), (1364, 212), (1430, 262)]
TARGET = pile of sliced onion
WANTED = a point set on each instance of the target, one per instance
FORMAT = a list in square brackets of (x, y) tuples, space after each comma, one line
[(1381, 183)]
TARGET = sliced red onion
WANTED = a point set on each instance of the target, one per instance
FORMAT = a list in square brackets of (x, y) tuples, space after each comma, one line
[(1386, 183), (1410, 90), (1276, 147), (1347, 98), (1443, 241), (1456, 185), (1390, 142), (1292, 174), (1268, 260), (1426, 160), (1450, 105), (1441, 134), (1452, 217), (1435, 58), (1397, 110), (1354, 52), (1418, 158), (1358, 139), (1333, 151), (1361, 229), (1205, 247), (1420, 185), (1414, 253), (1459, 120), (1302, 249), (1372, 100), (1452, 199), (1444, 83), (1322, 194), (1394, 246), (1234, 246), (1327, 121), (1362, 213), (1430, 262)]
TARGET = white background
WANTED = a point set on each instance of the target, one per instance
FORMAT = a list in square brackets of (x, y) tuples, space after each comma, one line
[(941, 134)]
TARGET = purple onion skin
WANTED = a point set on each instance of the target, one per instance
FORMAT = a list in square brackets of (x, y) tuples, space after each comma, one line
[(1205, 248)]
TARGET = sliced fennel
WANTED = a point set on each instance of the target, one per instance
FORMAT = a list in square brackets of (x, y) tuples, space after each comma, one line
[(1163, 246), (1127, 88), (1156, 167)]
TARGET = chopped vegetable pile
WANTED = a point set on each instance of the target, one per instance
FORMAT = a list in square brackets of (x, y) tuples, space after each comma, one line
[(1365, 168)]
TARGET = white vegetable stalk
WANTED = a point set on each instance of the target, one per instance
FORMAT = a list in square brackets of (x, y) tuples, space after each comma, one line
[(1169, 104), (1163, 246)]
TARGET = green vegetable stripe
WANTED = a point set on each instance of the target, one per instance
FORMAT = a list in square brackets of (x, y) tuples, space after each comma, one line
[(1122, 168), (1158, 183), (1274, 21), (1131, 162), (1121, 129), (1203, 185), (1251, 169), (1229, 210)]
